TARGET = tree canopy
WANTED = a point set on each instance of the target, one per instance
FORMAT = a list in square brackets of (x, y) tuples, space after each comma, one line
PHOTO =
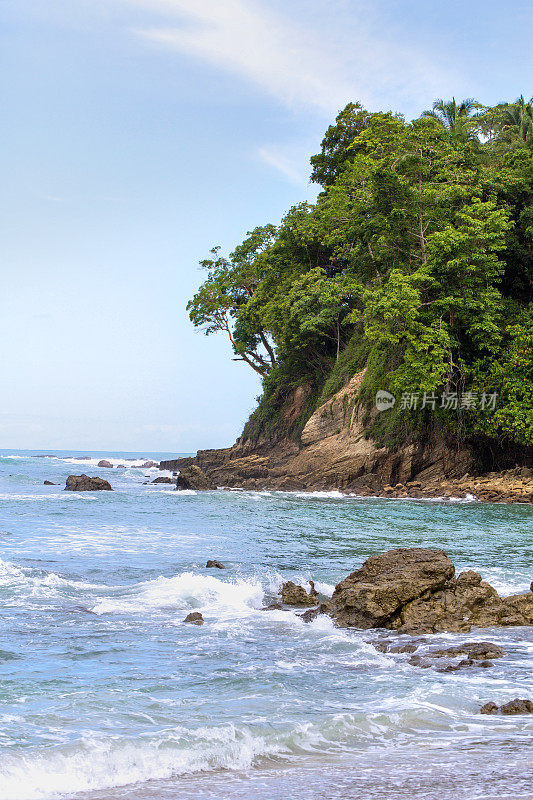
[(417, 257)]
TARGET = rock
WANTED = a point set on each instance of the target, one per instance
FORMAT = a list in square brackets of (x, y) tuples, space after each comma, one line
[(294, 595), (83, 483), (478, 651), (372, 596), (214, 564), (194, 618), (381, 647), (49, 483), (163, 479), (416, 591), (404, 648), (418, 661), (121, 466), (194, 478), (273, 607), (310, 614), (466, 662), (104, 463), (515, 706)]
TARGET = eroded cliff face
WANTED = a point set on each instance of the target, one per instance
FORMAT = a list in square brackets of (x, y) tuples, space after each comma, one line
[(333, 452)]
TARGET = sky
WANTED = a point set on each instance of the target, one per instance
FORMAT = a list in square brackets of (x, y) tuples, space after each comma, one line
[(137, 135)]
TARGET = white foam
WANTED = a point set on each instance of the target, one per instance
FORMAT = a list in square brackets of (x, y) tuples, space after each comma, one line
[(27, 582), (334, 494), (92, 765), (187, 590)]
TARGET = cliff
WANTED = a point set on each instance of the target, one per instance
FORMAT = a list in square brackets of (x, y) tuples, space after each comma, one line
[(333, 451)]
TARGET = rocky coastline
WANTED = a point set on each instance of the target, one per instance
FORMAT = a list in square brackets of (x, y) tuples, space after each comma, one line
[(334, 452)]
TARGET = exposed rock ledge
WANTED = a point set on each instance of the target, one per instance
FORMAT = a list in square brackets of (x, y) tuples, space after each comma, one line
[(334, 453), (416, 591)]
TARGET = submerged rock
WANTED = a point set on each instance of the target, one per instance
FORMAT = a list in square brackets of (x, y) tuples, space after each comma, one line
[(478, 651), (49, 483), (515, 706), (194, 618), (194, 478), (294, 595), (104, 463), (416, 591), (163, 479), (214, 564), (83, 483), (273, 607)]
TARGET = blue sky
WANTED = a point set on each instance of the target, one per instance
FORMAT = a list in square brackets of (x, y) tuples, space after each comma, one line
[(136, 135)]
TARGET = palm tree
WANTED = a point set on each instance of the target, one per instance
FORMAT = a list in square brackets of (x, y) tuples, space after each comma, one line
[(453, 117), (519, 115)]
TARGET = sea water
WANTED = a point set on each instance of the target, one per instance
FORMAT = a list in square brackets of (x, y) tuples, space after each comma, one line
[(106, 694)]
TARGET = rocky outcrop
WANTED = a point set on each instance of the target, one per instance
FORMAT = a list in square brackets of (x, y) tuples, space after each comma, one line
[(194, 618), (294, 595), (163, 479), (194, 478), (213, 563), (515, 706), (334, 451), (49, 483), (83, 483), (104, 463), (416, 591), (478, 654)]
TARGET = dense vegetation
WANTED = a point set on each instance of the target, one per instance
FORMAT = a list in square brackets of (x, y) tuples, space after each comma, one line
[(416, 261)]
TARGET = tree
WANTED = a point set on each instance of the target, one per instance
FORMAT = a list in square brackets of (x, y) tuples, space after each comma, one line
[(456, 119), (337, 142), (416, 260), (221, 301), (519, 116)]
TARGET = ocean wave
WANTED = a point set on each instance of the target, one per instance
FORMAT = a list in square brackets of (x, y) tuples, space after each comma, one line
[(187, 590), (25, 582), (103, 764)]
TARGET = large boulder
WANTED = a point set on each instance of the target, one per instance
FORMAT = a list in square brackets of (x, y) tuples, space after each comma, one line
[(194, 478), (416, 591), (372, 596), (83, 483), (104, 463)]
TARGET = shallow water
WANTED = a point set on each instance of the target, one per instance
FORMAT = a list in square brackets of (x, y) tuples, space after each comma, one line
[(105, 694)]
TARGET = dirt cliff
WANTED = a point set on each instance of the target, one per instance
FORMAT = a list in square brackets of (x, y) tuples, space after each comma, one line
[(334, 452)]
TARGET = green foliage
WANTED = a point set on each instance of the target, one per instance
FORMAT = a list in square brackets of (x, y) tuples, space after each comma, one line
[(416, 261), (351, 360), (511, 377)]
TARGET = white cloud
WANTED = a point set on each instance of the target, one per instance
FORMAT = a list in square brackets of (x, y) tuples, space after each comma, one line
[(331, 53), (273, 157)]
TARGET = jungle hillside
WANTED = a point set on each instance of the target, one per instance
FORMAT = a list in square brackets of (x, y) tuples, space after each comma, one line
[(414, 264)]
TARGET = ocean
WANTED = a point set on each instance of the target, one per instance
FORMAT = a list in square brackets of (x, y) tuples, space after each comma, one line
[(106, 694)]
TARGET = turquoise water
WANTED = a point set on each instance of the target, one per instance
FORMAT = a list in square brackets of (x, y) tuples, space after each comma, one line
[(105, 694)]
